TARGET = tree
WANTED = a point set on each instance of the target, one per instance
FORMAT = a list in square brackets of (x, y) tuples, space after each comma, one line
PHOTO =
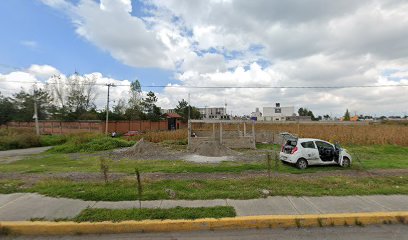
[(73, 96), (182, 110), (326, 117), (306, 112), (346, 116), (135, 109), (24, 104), (149, 107), (7, 109)]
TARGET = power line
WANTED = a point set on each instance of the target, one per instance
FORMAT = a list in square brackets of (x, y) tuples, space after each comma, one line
[(228, 87)]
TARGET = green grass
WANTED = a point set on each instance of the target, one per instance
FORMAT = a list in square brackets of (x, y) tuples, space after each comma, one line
[(52, 140), (365, 157), (54, 163), (10, 186), (91, 143), (117, 215), (228, 188)]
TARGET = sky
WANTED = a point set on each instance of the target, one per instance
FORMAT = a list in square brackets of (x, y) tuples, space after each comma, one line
[(262, 43)]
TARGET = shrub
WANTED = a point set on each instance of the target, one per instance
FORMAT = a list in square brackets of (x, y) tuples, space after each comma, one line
[(91, 143), (21, 138), (52, 140)]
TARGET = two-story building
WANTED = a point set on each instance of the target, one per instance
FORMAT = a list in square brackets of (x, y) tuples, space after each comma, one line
[(278, 113), (216, 113)]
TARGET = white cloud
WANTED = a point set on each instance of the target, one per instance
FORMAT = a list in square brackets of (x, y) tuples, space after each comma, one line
[(42, 71), (265, 43)]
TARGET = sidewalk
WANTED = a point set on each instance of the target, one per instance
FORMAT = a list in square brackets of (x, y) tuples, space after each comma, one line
[(25, 206)]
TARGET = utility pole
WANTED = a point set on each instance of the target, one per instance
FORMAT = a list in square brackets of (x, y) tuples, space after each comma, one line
[(189, 106), (37, 127), (107, 108)]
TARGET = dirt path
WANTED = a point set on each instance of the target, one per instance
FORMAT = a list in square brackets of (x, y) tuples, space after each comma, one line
[(18, 154), (31, 178)]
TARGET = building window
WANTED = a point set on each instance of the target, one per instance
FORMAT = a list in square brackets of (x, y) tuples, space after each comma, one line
[(278, 110)]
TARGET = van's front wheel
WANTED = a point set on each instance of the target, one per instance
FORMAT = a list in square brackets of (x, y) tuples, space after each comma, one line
[(301, 163)]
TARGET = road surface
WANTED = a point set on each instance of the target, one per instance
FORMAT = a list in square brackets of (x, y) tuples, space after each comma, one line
[(373, 232)]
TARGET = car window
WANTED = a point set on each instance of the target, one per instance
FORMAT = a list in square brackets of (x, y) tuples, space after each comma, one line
[(291, 143), (321, 144), (309, 144)]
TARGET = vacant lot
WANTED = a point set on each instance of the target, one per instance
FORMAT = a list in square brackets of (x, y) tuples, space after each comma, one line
[(73, 169)]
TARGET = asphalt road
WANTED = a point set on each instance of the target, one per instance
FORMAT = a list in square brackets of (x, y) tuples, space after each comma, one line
[(373, 232)]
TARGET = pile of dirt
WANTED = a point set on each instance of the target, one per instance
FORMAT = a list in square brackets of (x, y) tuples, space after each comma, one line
[(212, 149), (146, 150)]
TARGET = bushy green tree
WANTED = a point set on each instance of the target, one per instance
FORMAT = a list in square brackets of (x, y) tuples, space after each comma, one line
[(307, 112), (182, 110), (7, 109), (24, 104), (151, 111)]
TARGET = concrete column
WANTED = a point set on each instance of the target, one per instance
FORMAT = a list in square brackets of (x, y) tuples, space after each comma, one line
[(189, 133), (213, 131), (244, 129), (220, 132)]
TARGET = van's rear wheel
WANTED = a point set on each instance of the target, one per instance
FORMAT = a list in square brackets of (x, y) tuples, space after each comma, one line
[(346, 162), (301, 163)]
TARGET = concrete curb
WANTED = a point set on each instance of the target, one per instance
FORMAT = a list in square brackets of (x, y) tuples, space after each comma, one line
[(272, 221)]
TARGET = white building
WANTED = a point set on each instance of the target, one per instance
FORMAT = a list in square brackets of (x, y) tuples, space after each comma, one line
[(213, 113), (257, 115), (278, 113)]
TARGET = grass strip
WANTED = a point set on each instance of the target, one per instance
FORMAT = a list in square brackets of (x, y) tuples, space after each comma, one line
[(226, 188), (117, 215)]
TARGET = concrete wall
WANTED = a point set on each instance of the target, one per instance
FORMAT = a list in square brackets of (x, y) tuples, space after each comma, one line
[(268, 137), (242, 142)]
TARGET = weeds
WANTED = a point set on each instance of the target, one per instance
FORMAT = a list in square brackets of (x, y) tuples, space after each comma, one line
[(104, 166), (358, 223), (139, 187), (320, 222), (117, 215), (269, 165), (15, 138), (91, 143)]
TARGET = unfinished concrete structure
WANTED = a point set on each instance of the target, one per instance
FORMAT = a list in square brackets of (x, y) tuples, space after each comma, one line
[(232, 134)]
